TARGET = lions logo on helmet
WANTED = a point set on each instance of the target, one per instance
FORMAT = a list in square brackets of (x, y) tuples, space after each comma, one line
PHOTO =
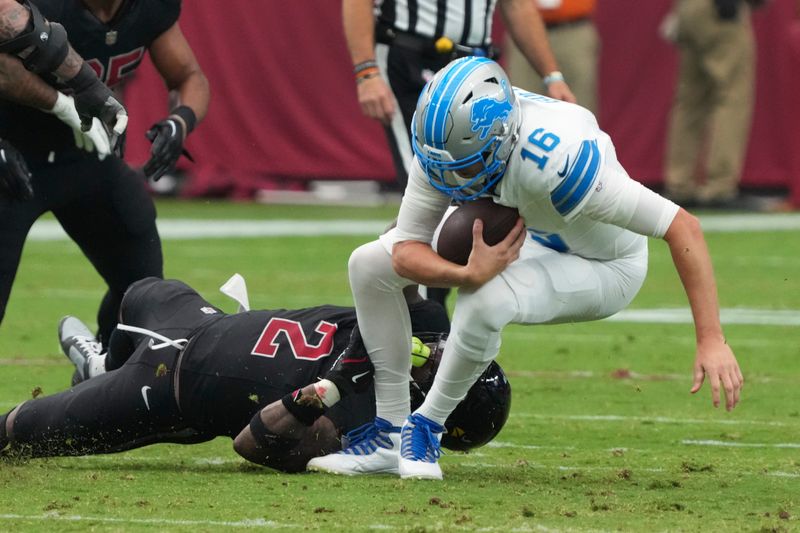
[(465, 127), (486, 111)]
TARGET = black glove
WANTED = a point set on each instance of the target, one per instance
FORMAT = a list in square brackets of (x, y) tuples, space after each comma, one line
[(353, 371), (15, 178), (167, 137), (94, 99)]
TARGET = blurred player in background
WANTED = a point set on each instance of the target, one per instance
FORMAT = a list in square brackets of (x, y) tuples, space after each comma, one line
[(102, 204), (585, 259), (712, 110), (22, 48), (186, 372), (576, 46), (30, 45)]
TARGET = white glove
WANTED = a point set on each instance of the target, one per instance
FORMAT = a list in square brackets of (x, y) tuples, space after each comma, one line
[(96, 139)]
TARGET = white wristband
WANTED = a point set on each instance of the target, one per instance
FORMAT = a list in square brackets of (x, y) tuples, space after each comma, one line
[(553, 77)]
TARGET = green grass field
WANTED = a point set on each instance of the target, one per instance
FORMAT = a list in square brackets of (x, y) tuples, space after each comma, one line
[(603, 434)]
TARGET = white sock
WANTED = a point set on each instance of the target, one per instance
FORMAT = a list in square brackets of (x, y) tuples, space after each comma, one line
[(453, 380)]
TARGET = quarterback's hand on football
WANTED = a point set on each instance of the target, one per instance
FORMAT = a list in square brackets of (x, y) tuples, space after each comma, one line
[(167, 137), (485, 262), (559, 90), (352, 371), (15, 179), (716, 360), (376, 99), (94, 100)]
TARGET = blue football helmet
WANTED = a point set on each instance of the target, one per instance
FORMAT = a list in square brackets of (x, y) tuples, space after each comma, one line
[(465, 126)]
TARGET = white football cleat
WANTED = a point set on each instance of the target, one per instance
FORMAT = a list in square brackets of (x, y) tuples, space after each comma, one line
[(373, 448), (420, 448), (79, 344)]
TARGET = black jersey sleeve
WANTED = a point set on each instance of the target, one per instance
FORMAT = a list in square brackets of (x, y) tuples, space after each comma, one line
[(163, 15), (51, 9)]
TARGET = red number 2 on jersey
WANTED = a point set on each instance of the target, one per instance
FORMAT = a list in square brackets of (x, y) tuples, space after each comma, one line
[(118, 66), (268, 344)]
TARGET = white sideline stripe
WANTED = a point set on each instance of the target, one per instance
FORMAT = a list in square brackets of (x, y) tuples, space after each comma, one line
[(183, 229), (652, 419), (750, 222), (765, 317), (501, 444), (740, 444), (255, 522), (178, 228)]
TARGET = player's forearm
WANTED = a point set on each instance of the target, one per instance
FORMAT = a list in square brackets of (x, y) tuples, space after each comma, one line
[(693, 263), (359, 29), (528, 32), (71, 65), (20, 86), (14, 19), (418, 262), (195, 93)]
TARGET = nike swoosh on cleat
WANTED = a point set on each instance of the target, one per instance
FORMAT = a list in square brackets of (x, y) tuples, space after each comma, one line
[(144, 395), (361, 375), (566, 166)]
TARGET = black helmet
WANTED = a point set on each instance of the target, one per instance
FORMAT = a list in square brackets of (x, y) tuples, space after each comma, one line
[(480, 416)]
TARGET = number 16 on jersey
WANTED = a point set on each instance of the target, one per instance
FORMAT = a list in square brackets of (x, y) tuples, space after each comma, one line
[(542, 142)]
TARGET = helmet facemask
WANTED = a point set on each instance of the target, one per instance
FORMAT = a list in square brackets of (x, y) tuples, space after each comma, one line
[(465, 127)]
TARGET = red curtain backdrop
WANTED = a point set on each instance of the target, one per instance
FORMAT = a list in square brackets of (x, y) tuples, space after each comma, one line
[(284, 109)]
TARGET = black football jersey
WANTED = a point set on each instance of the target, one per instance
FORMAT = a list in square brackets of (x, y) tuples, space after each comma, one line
[(282, 349), (113, 49)]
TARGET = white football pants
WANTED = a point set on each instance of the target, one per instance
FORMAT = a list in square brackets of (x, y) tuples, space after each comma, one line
[(541, 287)]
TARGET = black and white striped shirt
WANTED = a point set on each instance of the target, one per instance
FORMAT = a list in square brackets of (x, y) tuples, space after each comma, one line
[(467, 22)]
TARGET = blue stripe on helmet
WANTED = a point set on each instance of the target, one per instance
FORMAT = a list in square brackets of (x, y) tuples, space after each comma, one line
[(583, 181), (441, 100)]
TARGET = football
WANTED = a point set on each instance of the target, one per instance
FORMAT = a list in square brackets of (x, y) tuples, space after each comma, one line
[(454, 242)]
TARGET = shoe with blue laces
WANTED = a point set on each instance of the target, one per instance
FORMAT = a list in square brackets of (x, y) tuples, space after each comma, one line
[(370, 449), (420, 448)]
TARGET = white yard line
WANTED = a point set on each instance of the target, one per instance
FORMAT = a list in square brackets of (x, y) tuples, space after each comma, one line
[(763, 317), (177, 228), (728, 444), (652, 419)]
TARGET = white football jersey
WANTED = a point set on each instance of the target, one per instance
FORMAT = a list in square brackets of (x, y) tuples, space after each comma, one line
[(564, 178)]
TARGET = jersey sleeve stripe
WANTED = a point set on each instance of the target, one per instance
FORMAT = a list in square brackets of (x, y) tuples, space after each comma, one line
[(579, 181)]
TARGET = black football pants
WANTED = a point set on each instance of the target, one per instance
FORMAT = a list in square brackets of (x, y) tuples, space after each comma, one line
[(104, 207)]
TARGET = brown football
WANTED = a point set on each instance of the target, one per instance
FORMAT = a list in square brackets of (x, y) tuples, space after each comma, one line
[(455, 236)]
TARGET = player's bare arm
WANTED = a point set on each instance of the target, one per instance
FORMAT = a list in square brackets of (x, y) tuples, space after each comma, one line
[(175, 61), (279, 440), (178, 66), (374, 95), (715, 358), (418, 262), (526, 27), (20, 86)]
